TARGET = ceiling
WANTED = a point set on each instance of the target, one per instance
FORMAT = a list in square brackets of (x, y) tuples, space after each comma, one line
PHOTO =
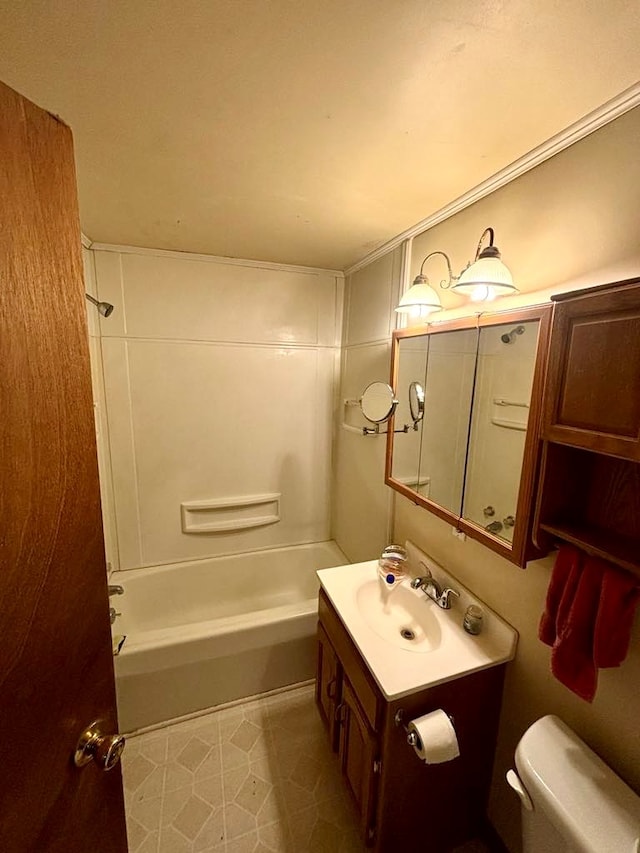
[(304, 131)]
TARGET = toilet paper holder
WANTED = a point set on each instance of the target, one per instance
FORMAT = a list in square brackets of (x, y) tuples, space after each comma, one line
[(412, 737)]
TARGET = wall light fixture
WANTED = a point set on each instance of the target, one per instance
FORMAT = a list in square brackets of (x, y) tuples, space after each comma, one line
[(481, 280)]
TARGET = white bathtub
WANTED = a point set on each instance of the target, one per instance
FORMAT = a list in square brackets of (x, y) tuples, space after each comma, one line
[(210, 631)]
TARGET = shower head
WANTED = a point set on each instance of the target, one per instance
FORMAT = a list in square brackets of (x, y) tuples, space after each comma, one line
[(508, 337), (105, 308)]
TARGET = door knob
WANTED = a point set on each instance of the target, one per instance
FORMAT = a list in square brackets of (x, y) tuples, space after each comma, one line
[(104, 749)]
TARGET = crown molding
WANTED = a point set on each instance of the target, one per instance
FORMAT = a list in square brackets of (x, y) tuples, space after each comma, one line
[(593, 121), (213, 259)]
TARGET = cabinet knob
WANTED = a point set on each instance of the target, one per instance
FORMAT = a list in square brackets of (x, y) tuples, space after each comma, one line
[(332, 688)]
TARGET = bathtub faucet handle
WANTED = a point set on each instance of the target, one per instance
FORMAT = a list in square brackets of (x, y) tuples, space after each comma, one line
[(115, 589)]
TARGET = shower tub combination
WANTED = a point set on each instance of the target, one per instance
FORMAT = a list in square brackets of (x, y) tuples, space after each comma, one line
[(210, 631)]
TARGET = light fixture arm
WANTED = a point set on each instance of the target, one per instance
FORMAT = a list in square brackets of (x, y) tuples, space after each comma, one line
[(445, 283), (486, 231)]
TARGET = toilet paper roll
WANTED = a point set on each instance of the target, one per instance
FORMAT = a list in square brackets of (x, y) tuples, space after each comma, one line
[(434, 738)]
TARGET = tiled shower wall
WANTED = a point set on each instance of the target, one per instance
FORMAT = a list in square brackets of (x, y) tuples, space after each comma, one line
[(219, 381), (102, 432), (361, 501)]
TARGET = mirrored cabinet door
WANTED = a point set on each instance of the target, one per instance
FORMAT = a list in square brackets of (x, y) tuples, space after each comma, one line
[(473, 457), (409, 387), (447, 411), (500, 414)]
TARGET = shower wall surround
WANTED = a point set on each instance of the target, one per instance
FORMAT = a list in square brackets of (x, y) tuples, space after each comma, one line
[(219, 382), (361, 501), (100, 409)]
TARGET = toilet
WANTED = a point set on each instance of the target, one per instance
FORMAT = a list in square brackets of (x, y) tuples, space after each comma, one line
[(572, 802)]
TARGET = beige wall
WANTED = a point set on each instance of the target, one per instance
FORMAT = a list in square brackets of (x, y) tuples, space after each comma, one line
[(219, 384), (571, 222)]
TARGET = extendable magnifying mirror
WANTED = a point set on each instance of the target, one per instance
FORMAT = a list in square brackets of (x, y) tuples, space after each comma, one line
[(377, 402), (416, 403)]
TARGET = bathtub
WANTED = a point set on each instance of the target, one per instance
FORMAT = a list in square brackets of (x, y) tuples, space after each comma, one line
[(207, 632)]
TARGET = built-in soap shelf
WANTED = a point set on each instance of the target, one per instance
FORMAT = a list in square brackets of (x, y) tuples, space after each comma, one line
[(222, 515), (420, 484), (513, 422)]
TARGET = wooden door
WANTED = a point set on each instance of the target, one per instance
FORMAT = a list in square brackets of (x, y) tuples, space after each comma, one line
[(592, 398), (358, 759), (328, 678), (56, 665)]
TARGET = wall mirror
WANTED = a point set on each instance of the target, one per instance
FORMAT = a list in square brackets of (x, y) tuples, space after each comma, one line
[(412, 368), (472, 455), (448, 389)]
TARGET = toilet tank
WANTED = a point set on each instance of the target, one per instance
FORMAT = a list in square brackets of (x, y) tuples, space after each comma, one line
[(575, 802)]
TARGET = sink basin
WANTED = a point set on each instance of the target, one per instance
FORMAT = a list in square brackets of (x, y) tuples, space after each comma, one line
[(400, 616), (406, 640)]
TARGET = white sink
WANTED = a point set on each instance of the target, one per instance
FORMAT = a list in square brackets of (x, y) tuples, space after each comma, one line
[(441, 650), (399, 615)]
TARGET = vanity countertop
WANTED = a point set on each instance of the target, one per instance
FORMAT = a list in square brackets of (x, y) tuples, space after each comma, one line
[(440, 650)]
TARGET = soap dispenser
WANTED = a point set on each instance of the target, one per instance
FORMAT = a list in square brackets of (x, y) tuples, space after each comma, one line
[(392, 568)]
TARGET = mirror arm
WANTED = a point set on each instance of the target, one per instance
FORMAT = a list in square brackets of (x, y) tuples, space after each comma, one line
[(377, 431)]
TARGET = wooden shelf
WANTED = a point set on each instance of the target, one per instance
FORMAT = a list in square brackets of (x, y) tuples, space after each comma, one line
[(624, 551), (589, 486)]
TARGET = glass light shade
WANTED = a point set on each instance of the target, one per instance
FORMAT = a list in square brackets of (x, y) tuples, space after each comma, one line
[(483, 293), (485, 279), (420, 299)]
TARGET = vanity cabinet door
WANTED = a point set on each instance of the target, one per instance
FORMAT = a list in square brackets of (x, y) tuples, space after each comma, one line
[(328, 685), (359, 759), (593, 388)]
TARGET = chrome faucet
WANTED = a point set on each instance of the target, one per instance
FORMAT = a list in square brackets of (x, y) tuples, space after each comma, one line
[(114, 589), (432, 589)]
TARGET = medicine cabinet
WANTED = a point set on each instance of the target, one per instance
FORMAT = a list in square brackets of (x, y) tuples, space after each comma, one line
[(472, 457)]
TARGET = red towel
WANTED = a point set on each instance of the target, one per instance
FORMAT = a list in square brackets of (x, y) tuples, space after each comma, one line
[(572, 660), (565, 568), (620, 595), (587, 619)]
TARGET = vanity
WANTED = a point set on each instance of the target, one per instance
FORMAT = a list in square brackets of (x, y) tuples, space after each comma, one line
[(386, 658)]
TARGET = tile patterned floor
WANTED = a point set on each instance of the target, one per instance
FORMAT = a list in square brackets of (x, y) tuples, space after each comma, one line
[(253, 778)]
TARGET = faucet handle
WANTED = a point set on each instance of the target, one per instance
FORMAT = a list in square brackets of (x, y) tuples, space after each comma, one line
[(445, 595), (115, 589)]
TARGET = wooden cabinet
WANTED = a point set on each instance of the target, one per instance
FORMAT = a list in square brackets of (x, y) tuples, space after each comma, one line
[(328, 679), (589, 487), (387, 782), (593, 384), (358, 751)]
